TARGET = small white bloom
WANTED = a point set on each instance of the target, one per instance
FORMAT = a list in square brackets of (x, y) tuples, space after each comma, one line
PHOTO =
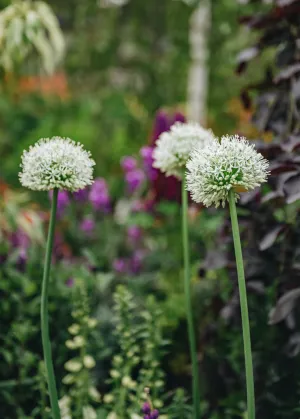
[(108, 398), (74, 329), (92, 323), (56, 163), (89, 361), (68, 379), (174, 147), (232, 163), (115, 374), (64, 407), (89, 412), (94, 394), (128, 382), (73, 366)]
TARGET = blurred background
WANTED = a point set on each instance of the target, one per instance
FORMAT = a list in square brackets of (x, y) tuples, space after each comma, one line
[(114, 75)]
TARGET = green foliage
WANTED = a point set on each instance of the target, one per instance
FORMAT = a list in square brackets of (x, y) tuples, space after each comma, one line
[(81, 393), (137, 363)]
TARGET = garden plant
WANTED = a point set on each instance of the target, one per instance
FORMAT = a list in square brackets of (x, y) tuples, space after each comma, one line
[(155, 276)]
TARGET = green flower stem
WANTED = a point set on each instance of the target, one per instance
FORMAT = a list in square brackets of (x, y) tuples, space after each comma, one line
[(244, 307), (44, 313), (188, 301)]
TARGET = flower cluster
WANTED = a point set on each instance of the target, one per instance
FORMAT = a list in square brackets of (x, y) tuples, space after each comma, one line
[(134, 176), (99, 195), (147, 156), (28, 26), (56, 163), (232, 163), (173, 148), (78, 379), (148, 412)]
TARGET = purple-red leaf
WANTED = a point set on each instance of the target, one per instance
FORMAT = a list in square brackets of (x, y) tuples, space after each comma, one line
[(270, 238), (287, 73), (284, 306), (292, 189)]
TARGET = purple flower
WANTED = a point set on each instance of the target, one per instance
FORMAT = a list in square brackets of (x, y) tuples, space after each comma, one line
[(161, 124), (20, 239), (146, 408), (134, 232), (22, 259), (63, 201), (136, 261), (70, 282), (81, 195), (128, 163), (146, 416), (146, 153), (154, 414), (134, 179), (98, 195), (138, 206), (179, 117), (87, 225), (120, 266)]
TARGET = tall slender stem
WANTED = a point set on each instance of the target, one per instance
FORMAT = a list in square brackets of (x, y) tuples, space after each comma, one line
[(44, 313), (188, 301), (244, 307)]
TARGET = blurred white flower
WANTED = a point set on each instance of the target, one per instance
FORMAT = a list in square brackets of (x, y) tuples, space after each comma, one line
[(74, 329), (27, 26), (89, 412), (108, 398), (232, 163), (89, 361), (94, 394), (56, 163), (128, 382), (112, 3), (174, 147), (64, 406), (73, 366)]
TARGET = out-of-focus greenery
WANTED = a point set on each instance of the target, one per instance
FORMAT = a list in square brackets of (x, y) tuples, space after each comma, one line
[(121, 65)]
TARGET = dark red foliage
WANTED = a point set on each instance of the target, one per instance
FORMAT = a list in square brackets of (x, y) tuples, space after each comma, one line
[(270, 221), (165, 188)]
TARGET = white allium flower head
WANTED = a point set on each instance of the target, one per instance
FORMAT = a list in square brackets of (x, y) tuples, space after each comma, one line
[(56, 163), (174, 147), (231, 163)]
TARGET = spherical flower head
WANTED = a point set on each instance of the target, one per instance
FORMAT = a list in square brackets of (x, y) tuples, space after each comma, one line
[(232, 163), (174, 147), (56, 163)]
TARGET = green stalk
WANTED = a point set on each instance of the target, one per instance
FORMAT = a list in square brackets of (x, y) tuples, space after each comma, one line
[(188, 301), (44, 313), (244, 306)]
